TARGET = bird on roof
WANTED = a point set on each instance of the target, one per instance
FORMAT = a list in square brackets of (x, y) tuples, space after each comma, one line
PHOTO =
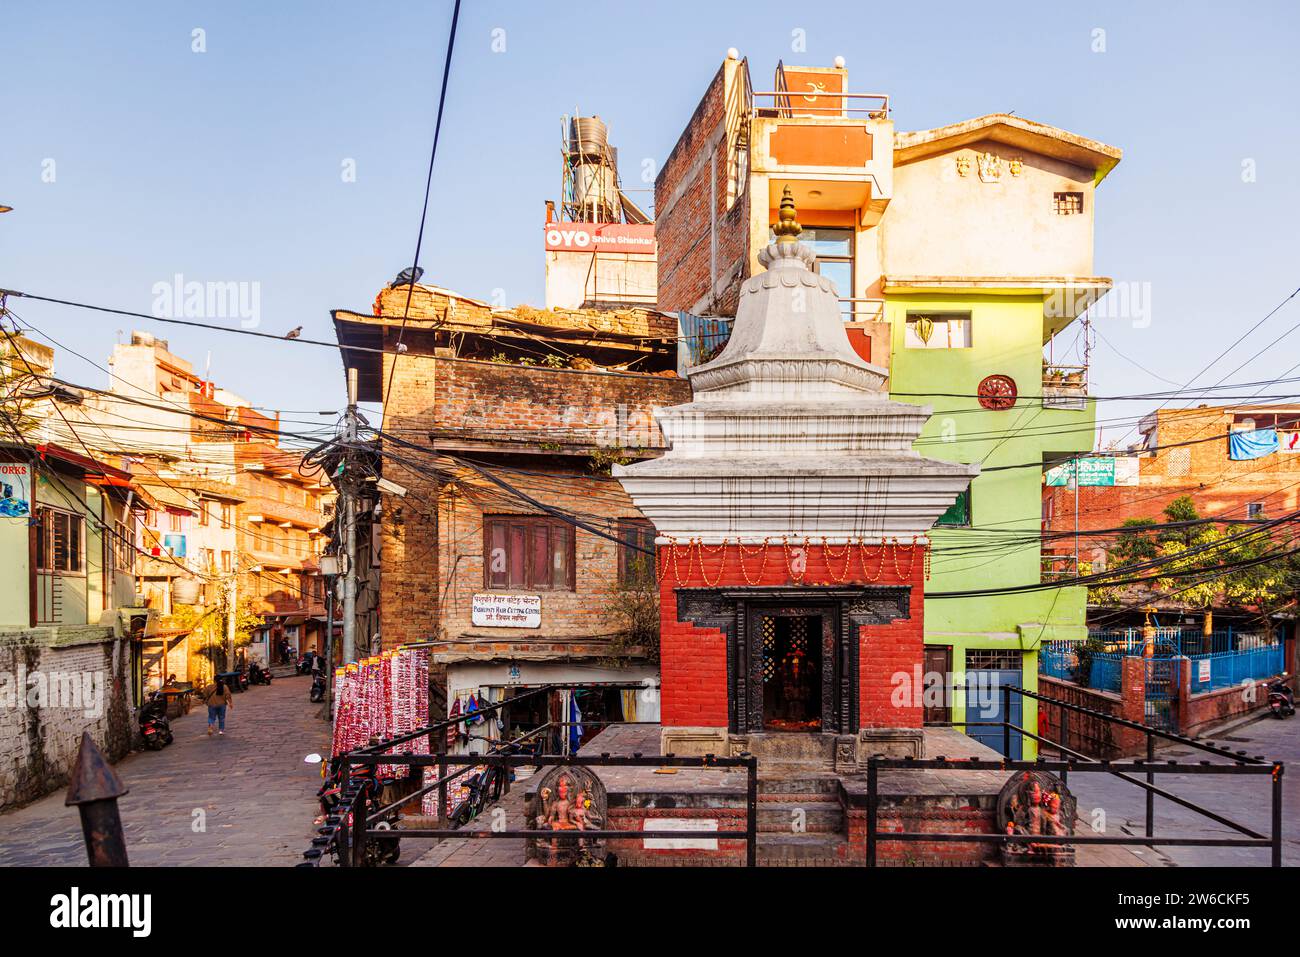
[(407, 277), (293, 333)]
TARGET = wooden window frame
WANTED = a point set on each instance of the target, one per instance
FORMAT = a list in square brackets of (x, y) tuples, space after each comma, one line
[(1067, 202), (45, 541), (635, 531), (528, 527)]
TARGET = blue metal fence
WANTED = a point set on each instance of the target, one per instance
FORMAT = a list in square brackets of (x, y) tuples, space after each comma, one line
[(1106, 670), (1057, 659), (1226, 668)]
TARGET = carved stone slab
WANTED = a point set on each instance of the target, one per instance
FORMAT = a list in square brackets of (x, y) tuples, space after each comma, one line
[(569, 800)]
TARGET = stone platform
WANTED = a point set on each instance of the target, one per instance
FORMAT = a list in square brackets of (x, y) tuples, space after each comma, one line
[(809, 814)]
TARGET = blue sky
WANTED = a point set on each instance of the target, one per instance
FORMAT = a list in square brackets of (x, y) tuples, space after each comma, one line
[(227, 165)]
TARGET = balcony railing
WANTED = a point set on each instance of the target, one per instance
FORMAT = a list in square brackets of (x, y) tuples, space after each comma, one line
[(862, 310), (1065, 387), (784, 104)]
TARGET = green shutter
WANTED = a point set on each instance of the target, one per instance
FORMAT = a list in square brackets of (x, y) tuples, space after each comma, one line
[(959, 512)]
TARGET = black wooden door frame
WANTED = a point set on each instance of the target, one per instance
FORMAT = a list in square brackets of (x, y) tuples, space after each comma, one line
[(851, 606)]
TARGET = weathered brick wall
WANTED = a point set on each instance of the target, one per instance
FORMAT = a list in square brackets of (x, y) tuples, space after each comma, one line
[(580, 613), (538, 407), (632, 851), (42, 717), (693, 660), (692, 215), (1088, 734), (432, 538), (931, 816)]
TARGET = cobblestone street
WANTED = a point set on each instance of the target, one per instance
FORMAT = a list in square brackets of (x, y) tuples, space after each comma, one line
[(1244, 800), (243, 799)]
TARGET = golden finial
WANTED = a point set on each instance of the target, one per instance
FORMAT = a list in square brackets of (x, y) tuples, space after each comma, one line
[(788, 229)]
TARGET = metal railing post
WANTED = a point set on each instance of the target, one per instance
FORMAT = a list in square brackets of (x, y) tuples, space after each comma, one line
[(1277, 814), (872, 784), (344, 836), (442, 781), (358, 841), (1065, 741), (1006, 721), (1151, 779), (751, 811)]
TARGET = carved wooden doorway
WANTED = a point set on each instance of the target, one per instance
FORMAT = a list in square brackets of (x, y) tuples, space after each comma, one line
[(794, 666)]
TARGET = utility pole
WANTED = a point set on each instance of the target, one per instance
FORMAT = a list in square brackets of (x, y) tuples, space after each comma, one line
[(232, 597), (348, 509)]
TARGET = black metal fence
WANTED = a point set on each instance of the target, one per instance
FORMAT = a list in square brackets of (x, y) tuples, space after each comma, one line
[(352, 825), (1139, 772)]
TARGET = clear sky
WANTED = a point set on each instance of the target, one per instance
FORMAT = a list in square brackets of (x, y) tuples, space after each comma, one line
[(129, 158)]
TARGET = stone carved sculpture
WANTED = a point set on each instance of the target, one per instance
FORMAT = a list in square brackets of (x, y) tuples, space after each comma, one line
[(568, 802), (1033, 804)]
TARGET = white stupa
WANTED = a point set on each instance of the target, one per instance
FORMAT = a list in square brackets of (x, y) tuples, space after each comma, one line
[(791, 433)]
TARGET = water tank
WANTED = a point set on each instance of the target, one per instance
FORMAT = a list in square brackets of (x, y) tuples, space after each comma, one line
[(588, 137), (595, 192)]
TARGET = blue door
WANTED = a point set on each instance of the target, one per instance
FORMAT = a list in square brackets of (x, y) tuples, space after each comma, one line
[(984, 702)]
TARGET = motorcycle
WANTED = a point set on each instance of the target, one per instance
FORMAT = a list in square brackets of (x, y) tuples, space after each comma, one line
[(258, 675), (379, 850), (1281, 699), (154, 726), (318, 687), (305, 662)]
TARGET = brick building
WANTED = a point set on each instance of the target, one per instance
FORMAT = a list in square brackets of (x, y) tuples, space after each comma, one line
[(505, 550), (958, 256), (1182, 452), (226, 507)]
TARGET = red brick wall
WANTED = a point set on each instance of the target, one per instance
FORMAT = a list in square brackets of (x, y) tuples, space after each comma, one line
[(693, 660), (1087, 734), (632, 851), (929, 817), (690, 201)]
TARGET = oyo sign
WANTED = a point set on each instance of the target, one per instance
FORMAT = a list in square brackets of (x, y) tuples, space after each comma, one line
[(601, 237)]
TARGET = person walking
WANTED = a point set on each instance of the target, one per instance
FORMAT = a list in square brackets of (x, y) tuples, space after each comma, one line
[(218, 698)]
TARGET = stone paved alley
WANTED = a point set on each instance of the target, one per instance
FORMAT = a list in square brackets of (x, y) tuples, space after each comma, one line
[(1244, 800), (258, 798), (255, 790)]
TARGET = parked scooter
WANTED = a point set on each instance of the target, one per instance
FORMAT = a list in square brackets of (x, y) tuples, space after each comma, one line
[(257, 675), (1281, 699), (379, 850), (318, 686), (304, 663), (154, 726)]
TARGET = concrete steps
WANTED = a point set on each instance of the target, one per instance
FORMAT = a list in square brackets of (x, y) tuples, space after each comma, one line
[(798, 850), (817, 817), (799, 792)]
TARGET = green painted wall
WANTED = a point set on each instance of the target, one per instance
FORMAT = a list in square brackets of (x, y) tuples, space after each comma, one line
[(1000, 548)]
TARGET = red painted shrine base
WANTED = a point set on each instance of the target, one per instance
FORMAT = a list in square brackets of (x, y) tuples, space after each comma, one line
[(693, 660)]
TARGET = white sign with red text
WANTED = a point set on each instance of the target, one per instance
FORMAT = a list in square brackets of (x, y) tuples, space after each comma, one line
[(507, 611)]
